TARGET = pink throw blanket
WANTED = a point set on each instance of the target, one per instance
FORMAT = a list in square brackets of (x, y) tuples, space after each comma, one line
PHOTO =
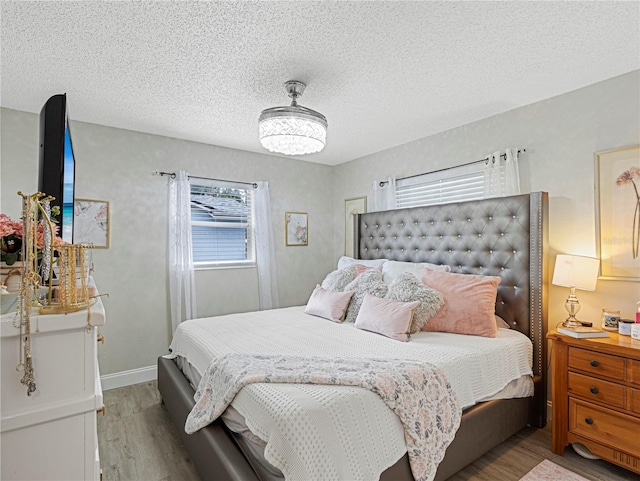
[(418, 393)]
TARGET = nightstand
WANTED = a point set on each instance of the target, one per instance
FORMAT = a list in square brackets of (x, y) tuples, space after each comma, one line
[(596, 396)]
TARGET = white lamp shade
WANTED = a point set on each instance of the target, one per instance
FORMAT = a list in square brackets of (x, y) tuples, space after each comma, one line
[(576, 271)]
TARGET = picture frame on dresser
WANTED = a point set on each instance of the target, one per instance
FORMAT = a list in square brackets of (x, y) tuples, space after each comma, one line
[(617, 186)]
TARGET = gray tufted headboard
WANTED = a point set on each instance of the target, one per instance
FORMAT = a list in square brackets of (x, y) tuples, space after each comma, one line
[(504, 236)]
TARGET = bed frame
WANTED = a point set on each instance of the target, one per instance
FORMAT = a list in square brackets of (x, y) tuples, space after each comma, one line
[(504, 236)]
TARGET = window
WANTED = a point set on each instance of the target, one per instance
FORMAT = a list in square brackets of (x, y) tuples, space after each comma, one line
[(449, 185), (222, 224)]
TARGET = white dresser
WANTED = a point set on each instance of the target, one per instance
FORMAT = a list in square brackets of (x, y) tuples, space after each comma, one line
[(51, 435)]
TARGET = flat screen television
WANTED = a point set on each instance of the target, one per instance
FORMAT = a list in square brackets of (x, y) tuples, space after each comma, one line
[(57, 164)]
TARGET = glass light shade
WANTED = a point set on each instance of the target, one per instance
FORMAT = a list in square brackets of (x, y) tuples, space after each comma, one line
[(293, 130), (292, 135)]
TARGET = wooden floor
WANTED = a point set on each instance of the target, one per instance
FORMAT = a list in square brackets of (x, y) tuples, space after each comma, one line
[(138, 442)]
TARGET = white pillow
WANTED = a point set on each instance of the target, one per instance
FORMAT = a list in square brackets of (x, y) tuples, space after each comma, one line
[(336, 280), (328, 304), (345, 261), (406, 288), (369, 282), (392, 269)]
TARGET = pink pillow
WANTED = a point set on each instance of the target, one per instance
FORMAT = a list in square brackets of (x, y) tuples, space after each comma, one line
[(387, 317), (330, 305), (469, 303)]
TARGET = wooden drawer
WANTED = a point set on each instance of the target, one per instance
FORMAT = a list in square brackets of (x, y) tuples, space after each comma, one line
[(618, 457), (634, 400), (597, 390), (596, 363), (605, 426), (633, 371)]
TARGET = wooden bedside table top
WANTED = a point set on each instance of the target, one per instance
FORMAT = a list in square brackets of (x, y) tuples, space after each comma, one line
[(614, 344)]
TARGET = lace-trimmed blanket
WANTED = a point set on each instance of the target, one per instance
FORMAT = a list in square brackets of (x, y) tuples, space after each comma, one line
[(417, 392)]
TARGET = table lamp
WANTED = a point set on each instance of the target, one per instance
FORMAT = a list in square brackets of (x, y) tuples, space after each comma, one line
[(575, 272)]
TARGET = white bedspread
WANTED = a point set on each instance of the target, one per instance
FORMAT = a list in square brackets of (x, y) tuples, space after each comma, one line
[(328, 430), (417, 392)]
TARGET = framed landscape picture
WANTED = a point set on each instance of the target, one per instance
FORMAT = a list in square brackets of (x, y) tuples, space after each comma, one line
[(618, 212), (91, 222), (296, 228)]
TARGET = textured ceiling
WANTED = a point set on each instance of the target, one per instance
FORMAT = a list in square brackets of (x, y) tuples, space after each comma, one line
[(383, 73)]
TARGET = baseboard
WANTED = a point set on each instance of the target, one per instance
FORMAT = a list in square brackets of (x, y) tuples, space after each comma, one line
[(128, 378)]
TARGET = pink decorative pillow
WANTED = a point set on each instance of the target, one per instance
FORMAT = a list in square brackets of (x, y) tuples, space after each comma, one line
[(387, 317), (330, 305), (469, 303)]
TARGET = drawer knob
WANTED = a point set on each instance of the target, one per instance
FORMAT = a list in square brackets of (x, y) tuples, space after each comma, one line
[(594, 363), (594, 390), (588, 421)]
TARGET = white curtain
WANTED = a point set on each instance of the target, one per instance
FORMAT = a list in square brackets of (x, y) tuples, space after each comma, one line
[(265, 249), (511, 173), (182, 292), (492, 176), (501, 178), (384, 194)]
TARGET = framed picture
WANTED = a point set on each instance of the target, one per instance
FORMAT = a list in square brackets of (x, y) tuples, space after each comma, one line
[(618, 212), (91, 222), (296, 229), (357, 205)]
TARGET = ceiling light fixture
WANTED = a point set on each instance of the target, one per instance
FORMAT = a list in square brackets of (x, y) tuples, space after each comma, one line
[(293, 130)]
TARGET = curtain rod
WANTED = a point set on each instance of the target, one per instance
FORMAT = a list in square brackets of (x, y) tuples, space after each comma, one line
[(486, 159), (173, 176)]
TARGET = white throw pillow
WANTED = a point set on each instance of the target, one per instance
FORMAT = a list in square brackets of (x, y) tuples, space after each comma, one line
[(407, 288), (337, 280), (369, 282), (392, 269), (345, 261)]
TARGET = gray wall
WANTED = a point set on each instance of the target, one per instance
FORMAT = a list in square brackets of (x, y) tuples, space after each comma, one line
[(560, 135), (116, 165)]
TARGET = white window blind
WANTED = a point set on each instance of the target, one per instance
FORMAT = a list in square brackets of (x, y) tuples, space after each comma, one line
[(222, 228), (450, 185)]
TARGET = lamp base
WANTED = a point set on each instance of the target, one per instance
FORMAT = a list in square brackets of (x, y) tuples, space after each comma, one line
[(571, 322)]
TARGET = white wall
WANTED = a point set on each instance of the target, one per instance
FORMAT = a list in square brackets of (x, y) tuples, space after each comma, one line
[(560, 135), (116, 165)]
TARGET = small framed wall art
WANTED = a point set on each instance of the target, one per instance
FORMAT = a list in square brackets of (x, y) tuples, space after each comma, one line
[(296, 228), (357, 205), (91, 222), (618, 212)]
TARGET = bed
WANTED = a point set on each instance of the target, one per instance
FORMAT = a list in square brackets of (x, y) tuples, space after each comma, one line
[(505, 237)]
